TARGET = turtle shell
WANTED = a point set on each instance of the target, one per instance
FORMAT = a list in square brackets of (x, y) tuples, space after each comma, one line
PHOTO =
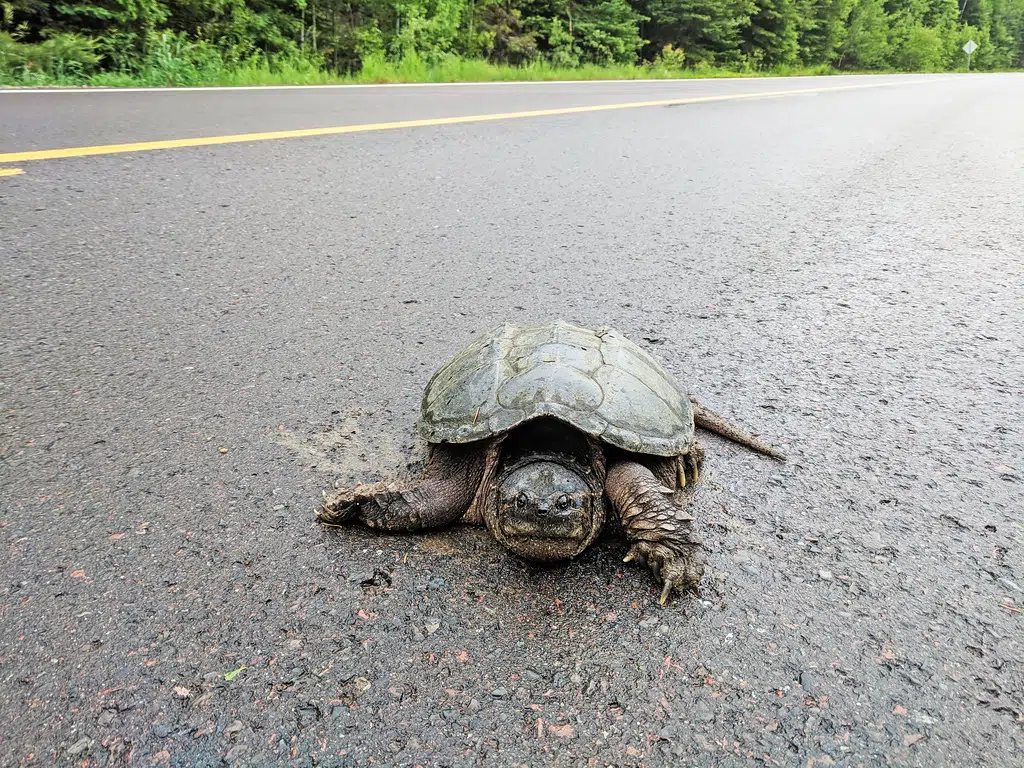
[(596, 380)]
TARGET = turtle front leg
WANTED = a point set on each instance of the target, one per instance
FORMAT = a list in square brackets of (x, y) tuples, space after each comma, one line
[(656, 525), (440, 497)]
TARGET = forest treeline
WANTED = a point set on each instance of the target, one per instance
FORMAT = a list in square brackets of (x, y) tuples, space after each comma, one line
[(179, 38)]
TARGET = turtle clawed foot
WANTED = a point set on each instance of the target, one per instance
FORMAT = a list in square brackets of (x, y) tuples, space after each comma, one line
[(342, 506), (678, 567)]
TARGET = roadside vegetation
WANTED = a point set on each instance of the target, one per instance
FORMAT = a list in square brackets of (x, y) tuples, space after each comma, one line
[(260, 42)]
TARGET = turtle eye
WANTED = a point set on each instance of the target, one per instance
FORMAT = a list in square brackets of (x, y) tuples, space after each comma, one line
[(522, 500), (563, 502)]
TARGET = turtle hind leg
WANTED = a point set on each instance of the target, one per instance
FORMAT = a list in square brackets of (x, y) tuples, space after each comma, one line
[(440, 497), (659, 529)]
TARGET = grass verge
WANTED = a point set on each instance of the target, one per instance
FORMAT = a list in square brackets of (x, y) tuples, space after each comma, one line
[(407, 70)]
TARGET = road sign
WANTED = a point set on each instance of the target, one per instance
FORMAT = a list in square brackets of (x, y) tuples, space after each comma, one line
[(970, 47)]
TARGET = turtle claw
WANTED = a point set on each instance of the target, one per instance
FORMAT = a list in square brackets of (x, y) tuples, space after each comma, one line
[(637, 553), (690, 465), (666, 592), (677, 567)]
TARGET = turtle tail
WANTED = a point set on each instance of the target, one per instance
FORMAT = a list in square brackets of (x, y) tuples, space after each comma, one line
[(711, 421)]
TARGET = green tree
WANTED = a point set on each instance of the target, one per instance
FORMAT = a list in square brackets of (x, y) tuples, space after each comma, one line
[(770, 38), (822, 29), (919, 50), (501, 35), (1005, 34), (607, 32), (170, 41), (867, 39), (118, 27), (429, 29), (572, 32), (710, 31), (141, 17)]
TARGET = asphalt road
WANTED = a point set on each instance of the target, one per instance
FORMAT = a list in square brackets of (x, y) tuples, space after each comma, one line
[(197, 341)]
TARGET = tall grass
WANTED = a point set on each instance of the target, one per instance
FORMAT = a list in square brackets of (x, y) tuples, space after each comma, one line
[(412, 69), (450, 70), (172, 60)]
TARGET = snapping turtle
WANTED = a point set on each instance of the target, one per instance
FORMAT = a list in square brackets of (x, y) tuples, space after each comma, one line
[(542, 433)]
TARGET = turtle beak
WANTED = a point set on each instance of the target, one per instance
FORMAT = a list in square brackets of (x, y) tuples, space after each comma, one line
[(545, 522)]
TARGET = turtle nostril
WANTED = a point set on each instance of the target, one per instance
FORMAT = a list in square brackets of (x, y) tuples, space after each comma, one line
[(542, 509)]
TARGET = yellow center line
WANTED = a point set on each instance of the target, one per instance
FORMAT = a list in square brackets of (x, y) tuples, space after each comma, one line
[(11, 171), (239, 138)]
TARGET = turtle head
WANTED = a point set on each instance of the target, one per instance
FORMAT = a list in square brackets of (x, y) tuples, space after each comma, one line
[(546, 508)]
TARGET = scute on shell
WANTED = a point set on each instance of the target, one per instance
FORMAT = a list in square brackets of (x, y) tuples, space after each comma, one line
[(598, 381)]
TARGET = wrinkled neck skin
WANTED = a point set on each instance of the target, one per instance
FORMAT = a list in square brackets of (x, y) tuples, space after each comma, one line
[(546, 506)]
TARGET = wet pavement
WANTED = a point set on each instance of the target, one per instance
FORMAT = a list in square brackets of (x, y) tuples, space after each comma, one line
[(198, 342)]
